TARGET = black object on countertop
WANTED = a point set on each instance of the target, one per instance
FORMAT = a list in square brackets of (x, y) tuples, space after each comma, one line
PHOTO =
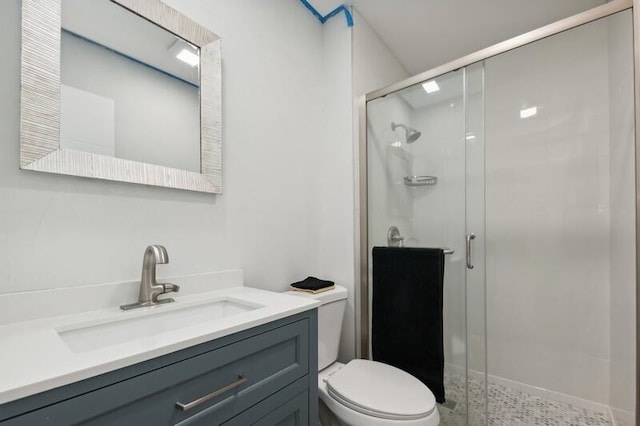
[(312, 284), (407, 312)]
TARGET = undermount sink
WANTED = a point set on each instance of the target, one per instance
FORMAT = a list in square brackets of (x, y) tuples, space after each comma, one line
[(84, 338)]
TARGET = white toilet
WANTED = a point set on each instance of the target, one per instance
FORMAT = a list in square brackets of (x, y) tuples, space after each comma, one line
[(363, 392)]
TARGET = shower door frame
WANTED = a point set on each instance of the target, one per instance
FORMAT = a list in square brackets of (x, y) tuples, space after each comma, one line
[(362, 240)]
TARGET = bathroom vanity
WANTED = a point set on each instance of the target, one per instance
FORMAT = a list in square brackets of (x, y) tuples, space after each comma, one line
[(236, 356)]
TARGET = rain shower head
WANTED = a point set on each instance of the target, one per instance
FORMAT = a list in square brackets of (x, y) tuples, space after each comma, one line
[(412, 134)]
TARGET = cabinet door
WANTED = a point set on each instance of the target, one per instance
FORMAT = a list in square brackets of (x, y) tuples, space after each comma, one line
[(293, 413), (281, 409)]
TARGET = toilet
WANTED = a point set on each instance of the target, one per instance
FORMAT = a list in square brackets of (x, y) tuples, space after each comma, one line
[(363, 392)]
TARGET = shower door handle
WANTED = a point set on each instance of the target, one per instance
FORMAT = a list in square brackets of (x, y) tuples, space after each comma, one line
[(470, 236)]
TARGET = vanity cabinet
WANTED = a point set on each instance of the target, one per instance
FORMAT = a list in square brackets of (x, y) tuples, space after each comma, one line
[(266, 375)]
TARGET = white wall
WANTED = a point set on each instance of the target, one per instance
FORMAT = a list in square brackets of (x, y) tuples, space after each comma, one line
[(58, 231), (332, 174), (374, 66)]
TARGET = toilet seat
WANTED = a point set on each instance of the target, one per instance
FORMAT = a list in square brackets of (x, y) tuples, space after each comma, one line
[(381, 391)]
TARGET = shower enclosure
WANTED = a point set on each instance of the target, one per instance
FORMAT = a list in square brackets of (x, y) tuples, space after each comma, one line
[(520, 162)]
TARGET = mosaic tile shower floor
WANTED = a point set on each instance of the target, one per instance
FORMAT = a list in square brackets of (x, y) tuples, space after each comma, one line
[(510, 407)]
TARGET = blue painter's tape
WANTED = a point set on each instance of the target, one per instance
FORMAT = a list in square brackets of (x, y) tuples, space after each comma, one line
[(331, 14), (313, 10), (339, 9)]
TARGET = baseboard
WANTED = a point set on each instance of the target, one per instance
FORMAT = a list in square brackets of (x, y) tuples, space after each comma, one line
[(612, 418), (620, 417), (552, 395), (538, 391)]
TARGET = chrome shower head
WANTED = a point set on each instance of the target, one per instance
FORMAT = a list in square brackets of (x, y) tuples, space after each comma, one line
[(411, 135)]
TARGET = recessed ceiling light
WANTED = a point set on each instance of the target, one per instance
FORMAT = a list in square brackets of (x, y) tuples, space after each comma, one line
[(430, 86), (528, 112), (188, 57), (470, 136), (396, 144)]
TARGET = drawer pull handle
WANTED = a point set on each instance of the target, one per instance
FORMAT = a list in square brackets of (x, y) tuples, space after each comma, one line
[(240, 380)]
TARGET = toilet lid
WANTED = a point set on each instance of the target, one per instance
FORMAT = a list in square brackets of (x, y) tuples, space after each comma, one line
[(380, 390)]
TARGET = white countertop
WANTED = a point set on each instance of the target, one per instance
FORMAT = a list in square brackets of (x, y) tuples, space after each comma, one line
[(35, 358)]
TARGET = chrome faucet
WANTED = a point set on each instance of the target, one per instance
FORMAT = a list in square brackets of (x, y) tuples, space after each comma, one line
[(149, 288)]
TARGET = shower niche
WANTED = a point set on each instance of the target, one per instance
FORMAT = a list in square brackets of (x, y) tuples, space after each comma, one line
[(522, 162)]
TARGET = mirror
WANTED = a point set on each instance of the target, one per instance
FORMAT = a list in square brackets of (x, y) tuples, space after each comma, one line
[(124, 90)]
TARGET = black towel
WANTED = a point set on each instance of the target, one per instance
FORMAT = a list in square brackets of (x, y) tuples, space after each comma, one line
[(313, 285), (407, 312)]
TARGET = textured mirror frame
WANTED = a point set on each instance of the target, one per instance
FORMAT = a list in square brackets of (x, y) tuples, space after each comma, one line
[(40, 102)]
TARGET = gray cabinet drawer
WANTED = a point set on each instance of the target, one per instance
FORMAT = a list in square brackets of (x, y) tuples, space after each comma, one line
[(289, 407), (270, 361)]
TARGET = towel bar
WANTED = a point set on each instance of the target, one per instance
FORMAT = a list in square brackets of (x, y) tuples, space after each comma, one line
[(394, 239)]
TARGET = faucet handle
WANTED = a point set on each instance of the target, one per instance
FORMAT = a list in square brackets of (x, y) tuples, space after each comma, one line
[(168, 288)]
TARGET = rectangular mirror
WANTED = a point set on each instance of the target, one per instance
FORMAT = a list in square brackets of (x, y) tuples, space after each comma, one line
[(125, 90)]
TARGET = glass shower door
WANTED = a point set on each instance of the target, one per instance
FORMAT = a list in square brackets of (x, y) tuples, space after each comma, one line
[(560, 250), (475, 237), (424, 154), (522, 167)]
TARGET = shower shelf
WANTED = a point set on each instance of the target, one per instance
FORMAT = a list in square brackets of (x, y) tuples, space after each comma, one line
[(420, 180)]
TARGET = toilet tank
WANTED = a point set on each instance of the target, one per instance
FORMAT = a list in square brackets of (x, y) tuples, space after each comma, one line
[(330, 314)]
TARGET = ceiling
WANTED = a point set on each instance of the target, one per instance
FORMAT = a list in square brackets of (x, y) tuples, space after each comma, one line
[(426, 33)]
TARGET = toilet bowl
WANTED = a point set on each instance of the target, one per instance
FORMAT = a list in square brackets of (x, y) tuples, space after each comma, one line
[(363, 392)]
